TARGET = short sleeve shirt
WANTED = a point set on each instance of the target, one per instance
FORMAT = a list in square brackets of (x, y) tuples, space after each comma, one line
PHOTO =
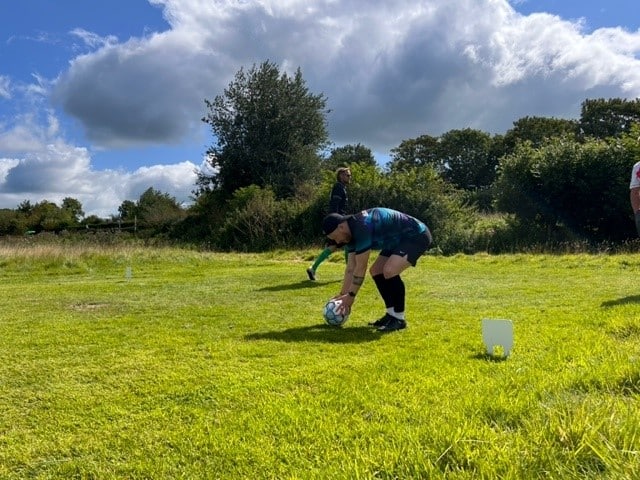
[(381, 228)]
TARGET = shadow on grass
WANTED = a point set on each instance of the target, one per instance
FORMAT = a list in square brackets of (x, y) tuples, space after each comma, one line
[(489, 358), (296, 286), (621, 301), (319, 333)]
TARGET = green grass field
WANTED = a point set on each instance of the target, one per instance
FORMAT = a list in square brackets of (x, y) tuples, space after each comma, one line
[(207, 365)]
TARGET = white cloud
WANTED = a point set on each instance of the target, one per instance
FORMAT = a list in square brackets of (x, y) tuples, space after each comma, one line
[(93, 40), (6, 165), (5, 87), (177, 179), (391, 70), (25, 134), (140, 92), (55, 170)]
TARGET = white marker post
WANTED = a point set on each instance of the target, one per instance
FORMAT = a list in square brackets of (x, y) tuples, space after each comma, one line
[(497, 333)]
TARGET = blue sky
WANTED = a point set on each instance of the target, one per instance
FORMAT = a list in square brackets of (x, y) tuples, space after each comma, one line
[(101, 100), (595, 14)]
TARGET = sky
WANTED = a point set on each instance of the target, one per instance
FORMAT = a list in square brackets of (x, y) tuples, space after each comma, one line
[(100, 101)]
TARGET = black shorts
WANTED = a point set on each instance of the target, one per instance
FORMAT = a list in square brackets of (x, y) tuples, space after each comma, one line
[(411, 247)]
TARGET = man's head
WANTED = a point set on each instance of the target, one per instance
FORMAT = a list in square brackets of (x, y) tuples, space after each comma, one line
[(336, 228), (343, 175)]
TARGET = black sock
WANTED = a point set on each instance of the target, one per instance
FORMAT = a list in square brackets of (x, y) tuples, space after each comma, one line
[(383, 288), (396, 289)]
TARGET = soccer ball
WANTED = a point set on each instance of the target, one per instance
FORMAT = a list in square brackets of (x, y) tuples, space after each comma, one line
[(330, 315)]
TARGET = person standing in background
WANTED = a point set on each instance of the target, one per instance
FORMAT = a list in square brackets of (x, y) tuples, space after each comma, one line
[(338, 201), (634, 194)]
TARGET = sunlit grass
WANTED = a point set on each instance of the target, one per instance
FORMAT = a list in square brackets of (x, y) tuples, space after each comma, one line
[(209, 365)]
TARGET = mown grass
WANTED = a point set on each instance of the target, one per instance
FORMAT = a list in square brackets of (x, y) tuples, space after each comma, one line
[(208, 365)]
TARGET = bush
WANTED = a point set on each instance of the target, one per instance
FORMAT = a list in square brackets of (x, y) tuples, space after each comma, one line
[(565, 191), (256, 221), (253, 220)]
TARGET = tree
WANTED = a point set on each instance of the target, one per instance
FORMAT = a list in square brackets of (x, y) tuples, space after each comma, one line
[(465, 158), (156, 208), (538, 130), (415, 152), (25, 207), (48, 216), (127, 210), (630, 141), (269, 129), (348, 155), (12, 222), (73, 207), (608, 118)]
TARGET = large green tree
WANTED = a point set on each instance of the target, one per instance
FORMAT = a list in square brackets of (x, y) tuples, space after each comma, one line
[(127, 210), (348, 155), (156, 208), (73, 207), (269, 129), (46, 215), (415, 152), (602, 118), (465, 158), (538, 130)]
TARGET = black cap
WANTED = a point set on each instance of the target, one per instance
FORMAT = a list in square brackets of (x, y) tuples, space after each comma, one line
[(331, 222)]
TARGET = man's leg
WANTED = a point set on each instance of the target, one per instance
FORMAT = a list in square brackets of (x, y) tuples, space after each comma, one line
[(311, 271), (383, 287), (396, 292)]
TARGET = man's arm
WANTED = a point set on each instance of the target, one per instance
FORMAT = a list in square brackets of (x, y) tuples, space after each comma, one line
[(348, 273), (634, 197), (354, 275)]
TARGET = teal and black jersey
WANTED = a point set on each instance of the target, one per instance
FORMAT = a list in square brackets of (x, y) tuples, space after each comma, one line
[(382, 229)]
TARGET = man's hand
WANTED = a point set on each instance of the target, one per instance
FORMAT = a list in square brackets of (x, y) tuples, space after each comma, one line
[(346, 303)]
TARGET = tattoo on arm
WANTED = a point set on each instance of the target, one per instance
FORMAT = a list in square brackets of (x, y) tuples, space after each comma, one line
[(358, 280)]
